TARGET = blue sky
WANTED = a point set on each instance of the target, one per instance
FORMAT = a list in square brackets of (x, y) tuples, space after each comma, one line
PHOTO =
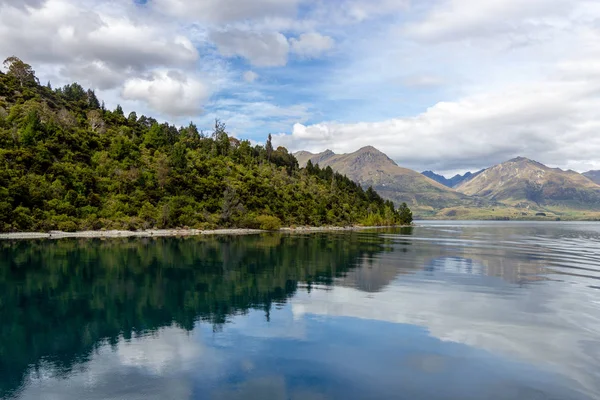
[(447, 85)]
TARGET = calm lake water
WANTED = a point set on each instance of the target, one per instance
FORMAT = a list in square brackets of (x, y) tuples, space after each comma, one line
[(445, 310)]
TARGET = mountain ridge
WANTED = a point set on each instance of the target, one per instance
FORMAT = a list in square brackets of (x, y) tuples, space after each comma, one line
[(522, 180), (368, 166), (594, 176), (519, 188), (451, 182)]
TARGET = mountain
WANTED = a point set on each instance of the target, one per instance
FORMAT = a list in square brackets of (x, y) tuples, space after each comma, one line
[(593, 175), (68, 163), (452, 182), (370, 167), (526, 183)]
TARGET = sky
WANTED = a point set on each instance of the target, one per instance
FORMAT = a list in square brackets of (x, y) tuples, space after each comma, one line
[(445, 85)]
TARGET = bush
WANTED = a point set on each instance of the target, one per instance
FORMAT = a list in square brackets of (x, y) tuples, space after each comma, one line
[(22, 218), (268, 222), (67, 226), (372, 220)]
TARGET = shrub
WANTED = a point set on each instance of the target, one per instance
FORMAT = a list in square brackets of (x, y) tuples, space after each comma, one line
[(268, 222), (67, 226)]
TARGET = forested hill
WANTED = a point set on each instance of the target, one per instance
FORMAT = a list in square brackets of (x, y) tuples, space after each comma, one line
[(68, 163)]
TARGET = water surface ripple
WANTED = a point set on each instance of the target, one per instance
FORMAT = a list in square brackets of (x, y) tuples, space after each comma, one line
[(444, 310)]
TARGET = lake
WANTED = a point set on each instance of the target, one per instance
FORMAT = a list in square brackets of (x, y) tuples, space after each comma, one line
[(444, 310)]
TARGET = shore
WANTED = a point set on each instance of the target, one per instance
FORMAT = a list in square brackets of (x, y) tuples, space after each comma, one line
[(171, 232)]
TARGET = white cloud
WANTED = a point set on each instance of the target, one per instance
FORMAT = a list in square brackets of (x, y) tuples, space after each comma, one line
[(472, 102), (465, 19), (22, 3), (534, 120), (224, 11), (250, 76), (312, 44), (262, 49), (242, 116), (348, 12), (168, 92), (89, 43), (438, 84), (95, 73)]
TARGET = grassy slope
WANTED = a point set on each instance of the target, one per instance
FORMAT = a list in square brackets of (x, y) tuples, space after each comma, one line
[(526, 188), (522, 182)]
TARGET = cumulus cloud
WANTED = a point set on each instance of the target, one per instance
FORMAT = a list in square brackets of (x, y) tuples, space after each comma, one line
[(464, 19), (95, 73), (548, 121), (250, 76), (223, 11), (257, 115), (22, 3), (168, 92), (89, 43), (312, 44), (262, 49), (447, 84), (498, 101)]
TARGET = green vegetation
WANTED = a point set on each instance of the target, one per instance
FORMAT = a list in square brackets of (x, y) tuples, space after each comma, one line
[(507, 212), (68, 163)]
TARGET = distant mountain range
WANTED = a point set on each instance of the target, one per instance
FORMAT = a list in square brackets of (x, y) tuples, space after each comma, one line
[(452, 182), (370, 167), (522, 180), (519, 188), (593, 175)]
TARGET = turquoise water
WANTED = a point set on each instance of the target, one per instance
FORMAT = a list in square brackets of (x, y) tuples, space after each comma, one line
[(445, 310)]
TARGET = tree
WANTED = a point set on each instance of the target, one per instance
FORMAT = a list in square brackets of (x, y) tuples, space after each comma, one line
[(31, 129), (92, 99), (221, 139), (66, 164), (132, 118), (219, 130), (269, 147), (406, 216), (75, 92), (155, 137), (95, 121), (20, 70)]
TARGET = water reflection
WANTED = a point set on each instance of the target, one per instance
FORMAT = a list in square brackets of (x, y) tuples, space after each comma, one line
[(443, 311), (63, 300)]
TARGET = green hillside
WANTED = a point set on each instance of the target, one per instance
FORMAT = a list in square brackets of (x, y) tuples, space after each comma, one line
[(68, 163)]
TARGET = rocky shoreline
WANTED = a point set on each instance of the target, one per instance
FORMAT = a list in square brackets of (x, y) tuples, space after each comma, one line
[(171, 232)]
